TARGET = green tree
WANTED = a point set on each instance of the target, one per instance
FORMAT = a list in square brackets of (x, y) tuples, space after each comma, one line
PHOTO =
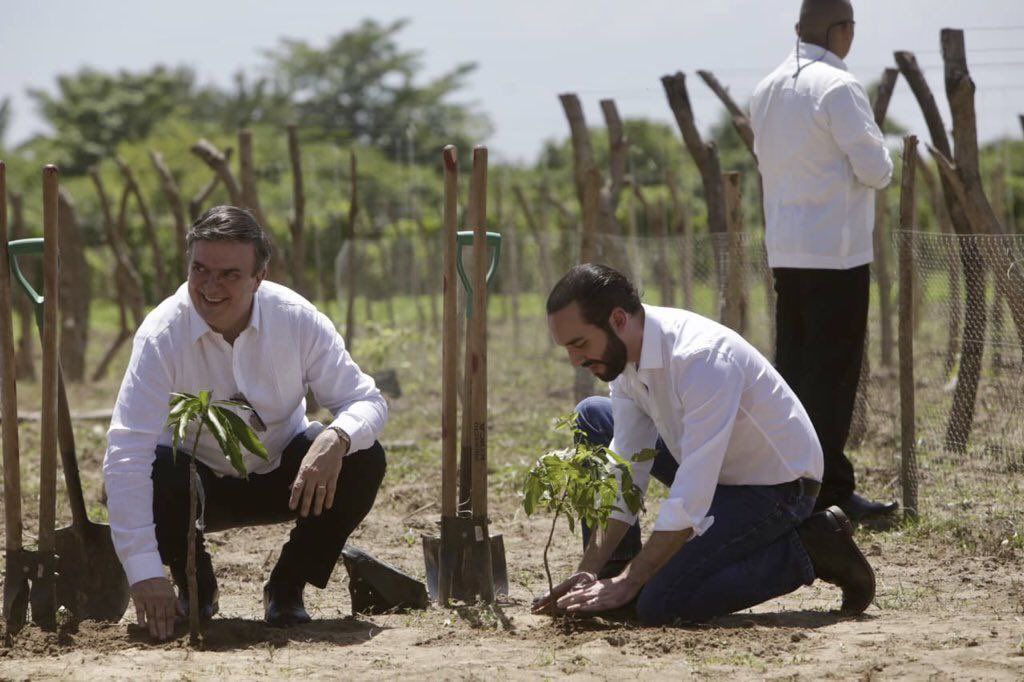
[(363, 88), (93, 111)]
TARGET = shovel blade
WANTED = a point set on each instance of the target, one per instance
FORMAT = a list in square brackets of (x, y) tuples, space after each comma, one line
[(455, 557), (91, 583), (17, 567), (43, 595)]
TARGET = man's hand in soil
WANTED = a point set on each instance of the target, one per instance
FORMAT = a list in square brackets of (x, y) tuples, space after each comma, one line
[(156, 606), (317, 479), (599, 595), (546, 602)]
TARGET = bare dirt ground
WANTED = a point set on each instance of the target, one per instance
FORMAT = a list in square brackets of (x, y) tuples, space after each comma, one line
[(950, 600)]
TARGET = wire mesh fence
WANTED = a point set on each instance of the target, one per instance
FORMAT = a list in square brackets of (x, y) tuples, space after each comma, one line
[(969, 422)]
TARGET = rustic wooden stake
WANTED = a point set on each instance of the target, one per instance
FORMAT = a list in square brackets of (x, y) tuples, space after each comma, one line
[(173, 196), (23, 359), (350, 265), (908, 437), (76, 291), (735, 294), (705, 155), (961, 414), (162, 286), (195, 205), (297, 224)]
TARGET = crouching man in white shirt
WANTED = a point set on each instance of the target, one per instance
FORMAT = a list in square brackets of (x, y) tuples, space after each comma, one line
[(734, 446), (229, 331)]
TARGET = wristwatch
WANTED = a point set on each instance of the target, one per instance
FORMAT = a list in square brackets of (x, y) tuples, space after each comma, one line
[(343, 436)]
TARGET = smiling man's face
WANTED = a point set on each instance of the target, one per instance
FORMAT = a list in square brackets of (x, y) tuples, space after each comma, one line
[(222, 282)]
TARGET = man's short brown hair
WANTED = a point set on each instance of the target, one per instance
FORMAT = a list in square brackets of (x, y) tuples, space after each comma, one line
[(230, 224)]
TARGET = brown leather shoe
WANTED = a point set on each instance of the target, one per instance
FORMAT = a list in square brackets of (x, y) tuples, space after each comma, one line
[(828, 538)]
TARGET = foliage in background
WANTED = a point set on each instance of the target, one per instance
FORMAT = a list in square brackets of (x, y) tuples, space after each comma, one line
[(583, 482)]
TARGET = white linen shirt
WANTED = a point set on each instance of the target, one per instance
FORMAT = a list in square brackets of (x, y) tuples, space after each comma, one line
[(287, 347), (723, 411), (821, 157)]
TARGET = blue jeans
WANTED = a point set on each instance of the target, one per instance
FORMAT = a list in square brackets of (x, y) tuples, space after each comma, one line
[(750, 554)]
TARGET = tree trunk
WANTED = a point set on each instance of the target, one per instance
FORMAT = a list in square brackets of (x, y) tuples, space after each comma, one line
[(961, 416), (173, 195), (297, 224), (350, 266), (76, 291), (537, 227)]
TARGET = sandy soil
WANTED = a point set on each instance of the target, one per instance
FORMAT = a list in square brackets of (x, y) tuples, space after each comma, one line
[(937, 614)]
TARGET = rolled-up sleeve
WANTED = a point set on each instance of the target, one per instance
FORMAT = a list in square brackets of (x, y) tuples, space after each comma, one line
[(634, 433), (854, 130), (139, 418), (710, 386), (339, 385)]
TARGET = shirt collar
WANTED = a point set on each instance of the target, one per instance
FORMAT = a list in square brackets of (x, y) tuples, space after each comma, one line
[(650, 349), (198, 326), (813, 52)]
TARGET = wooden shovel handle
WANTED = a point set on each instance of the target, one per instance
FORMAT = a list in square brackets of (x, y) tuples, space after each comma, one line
[(51, 308), (12, 459), (477, 342), (450, 338)]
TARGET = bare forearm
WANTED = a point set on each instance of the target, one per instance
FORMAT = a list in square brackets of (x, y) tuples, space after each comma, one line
[(601, 546), (659, 548)]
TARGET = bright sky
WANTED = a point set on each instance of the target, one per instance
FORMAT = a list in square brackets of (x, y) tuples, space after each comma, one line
[(528, 51)]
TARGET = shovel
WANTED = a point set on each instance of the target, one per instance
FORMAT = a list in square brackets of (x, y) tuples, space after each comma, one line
[(466, 561), (91, 582), (18, 562)]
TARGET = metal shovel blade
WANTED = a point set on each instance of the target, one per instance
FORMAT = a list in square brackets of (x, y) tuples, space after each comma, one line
[(91, 583), (17, 569), (461, 549)]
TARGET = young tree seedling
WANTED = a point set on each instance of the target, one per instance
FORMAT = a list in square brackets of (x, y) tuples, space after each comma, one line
[(583, 482), (232, 434)]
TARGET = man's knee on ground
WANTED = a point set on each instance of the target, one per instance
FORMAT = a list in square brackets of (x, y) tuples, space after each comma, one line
[(590, 406)]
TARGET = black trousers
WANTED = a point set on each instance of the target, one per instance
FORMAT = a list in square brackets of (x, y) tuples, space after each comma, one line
[(315, 542), (821, 322)]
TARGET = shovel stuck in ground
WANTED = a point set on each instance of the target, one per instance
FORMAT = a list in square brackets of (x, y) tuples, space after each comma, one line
[(75, 567), (466, 562)]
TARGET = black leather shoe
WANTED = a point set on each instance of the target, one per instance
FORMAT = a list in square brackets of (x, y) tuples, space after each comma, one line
[(828, 538), (282, 605), (859, 508), (209, 595)]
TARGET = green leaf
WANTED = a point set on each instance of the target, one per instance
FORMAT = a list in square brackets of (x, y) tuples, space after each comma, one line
[(645, 455), (226, 439), (242, 432)]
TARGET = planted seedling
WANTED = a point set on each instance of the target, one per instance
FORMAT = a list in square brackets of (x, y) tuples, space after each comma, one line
[(232, 434), (582, 482)]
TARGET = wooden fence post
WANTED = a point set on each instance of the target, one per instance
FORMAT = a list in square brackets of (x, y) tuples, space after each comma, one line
[(705, 155), (76, 291), (961, 414), (297, 224), (163, 289), (908, 455), (735, 292), (173, 196)]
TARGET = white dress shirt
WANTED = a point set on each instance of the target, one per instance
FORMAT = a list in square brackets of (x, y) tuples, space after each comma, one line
[(722, 410), (821, 157), (287, 347)]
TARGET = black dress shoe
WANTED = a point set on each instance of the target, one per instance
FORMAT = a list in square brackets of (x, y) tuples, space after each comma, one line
[(209, 595), (828, 538), (859, 508), (282, 604)]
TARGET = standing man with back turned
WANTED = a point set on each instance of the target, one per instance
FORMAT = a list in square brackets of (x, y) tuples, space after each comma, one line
[(822, 157)]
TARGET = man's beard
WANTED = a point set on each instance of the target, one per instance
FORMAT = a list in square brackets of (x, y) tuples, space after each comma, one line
[(614, 358)]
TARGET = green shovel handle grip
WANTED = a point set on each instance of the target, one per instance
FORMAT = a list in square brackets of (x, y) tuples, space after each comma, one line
[(465, 238), (24, 247)]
